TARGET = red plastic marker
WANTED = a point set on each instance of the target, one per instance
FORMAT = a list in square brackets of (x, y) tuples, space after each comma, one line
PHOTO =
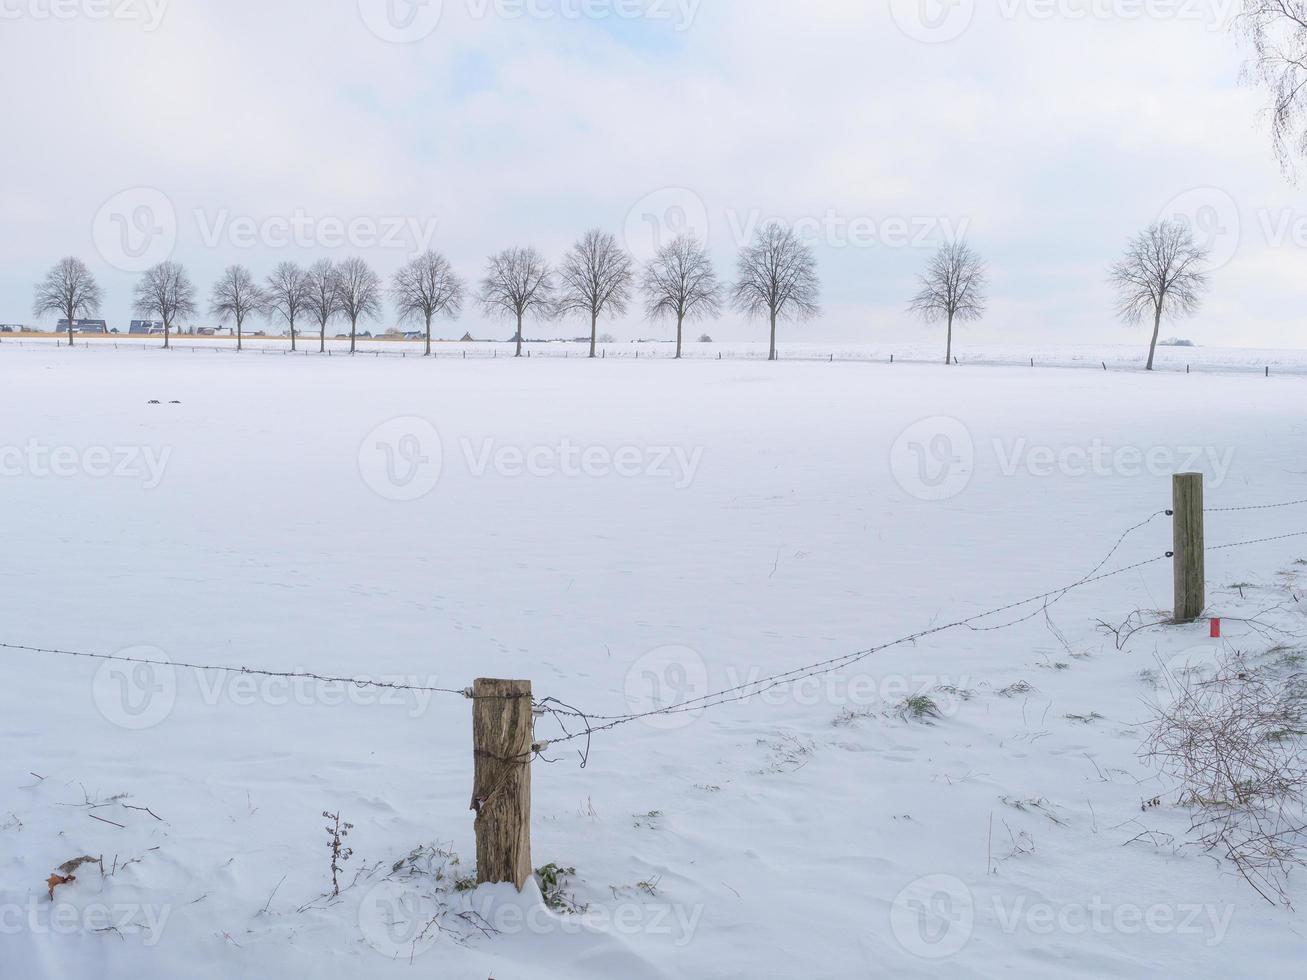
[(1216, 629)]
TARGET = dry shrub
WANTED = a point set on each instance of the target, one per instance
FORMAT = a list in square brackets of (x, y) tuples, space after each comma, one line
[(1233, 738)]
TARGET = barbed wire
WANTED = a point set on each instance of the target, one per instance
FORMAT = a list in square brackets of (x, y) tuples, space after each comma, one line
[(1232, 510), (257, 671), (587, 724), (1240, 544), (759, 686), (592, 724)]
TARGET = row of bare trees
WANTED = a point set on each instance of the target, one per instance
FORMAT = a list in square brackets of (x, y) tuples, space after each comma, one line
[(777, 280), (1160, 276)]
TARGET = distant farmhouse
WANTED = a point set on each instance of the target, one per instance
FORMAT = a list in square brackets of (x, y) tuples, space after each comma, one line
[(145, 327), (83, 326), (12, 328)]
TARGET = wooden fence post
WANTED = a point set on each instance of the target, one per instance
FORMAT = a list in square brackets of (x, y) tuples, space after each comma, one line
[(502, 724), (1190, 574)]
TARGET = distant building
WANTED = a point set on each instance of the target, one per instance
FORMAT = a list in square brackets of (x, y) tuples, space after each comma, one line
[(12, 328), (145, 327), (83, 326)]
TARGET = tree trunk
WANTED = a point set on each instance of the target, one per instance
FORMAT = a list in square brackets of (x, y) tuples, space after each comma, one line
[(240, 335), (167, 328), (772, 356), (322, 337), (680, 320), (292, 335), (428, 353), (70, 331), (948, 350), (519, 336), (594, 332), (353, 330), (1157, 329)]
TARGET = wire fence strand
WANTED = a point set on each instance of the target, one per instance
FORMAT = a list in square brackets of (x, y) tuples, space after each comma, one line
[(1233, 510), (577, 724), (589, 725)]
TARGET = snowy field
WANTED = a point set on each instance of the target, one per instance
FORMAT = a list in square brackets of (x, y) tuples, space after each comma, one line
[(620, 533), (1117, 357)]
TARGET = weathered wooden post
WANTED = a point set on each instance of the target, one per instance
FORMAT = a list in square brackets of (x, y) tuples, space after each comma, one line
[(1190, 565), (502, 735)]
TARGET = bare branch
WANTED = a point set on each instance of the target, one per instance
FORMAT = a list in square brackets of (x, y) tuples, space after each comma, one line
[(1276, 30)]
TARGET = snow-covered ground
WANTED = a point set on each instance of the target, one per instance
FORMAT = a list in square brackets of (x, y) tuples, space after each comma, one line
[(1116, 357), (618, 533)]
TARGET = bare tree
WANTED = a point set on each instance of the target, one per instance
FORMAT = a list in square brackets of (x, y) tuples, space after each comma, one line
[(322, 297), (426, 288), (680, 282), (1161, 275), (165, 291), (596, 278), (518, 283), (236, 295), (952, 288), (1276, 30), (69, 290), (358, 290), (777, 278), (286, 295)]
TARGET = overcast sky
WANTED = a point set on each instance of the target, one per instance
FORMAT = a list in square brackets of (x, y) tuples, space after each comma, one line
[(1047, 131)]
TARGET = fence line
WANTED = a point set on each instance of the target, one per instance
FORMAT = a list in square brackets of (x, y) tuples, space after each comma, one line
[(590, 724), (564, 713), (550, 349), (503, 733), (761, 685)]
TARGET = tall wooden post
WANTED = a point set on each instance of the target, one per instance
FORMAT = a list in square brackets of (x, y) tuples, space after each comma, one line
[(502, 725), (1190, 565)]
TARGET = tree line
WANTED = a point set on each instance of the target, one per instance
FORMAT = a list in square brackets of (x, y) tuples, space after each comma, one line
[(1161, 275)]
